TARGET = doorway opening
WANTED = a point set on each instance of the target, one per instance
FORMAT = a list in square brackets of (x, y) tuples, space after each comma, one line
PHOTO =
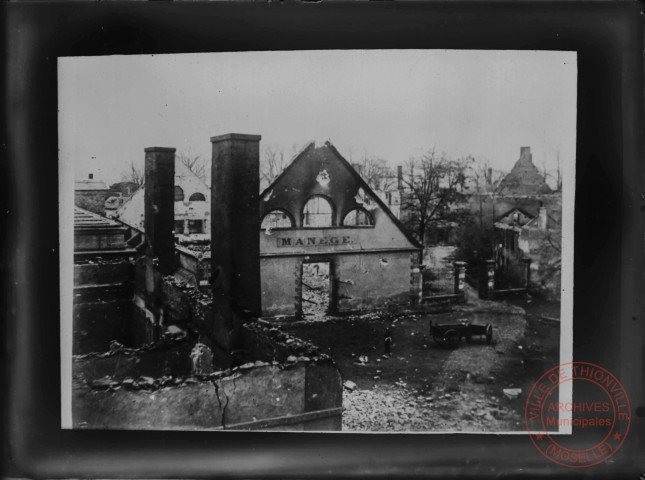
[(316, 289)]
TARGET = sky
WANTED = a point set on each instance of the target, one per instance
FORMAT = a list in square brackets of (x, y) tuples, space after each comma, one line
[(390, 104)]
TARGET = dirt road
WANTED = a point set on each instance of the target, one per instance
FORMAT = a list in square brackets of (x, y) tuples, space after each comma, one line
[(421, 387)]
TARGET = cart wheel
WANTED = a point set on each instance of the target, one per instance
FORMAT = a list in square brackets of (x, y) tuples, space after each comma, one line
[(489, 334), (451, 339)]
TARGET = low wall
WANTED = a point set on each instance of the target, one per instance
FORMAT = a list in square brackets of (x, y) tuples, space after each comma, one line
[(103, 272), (297, 395)]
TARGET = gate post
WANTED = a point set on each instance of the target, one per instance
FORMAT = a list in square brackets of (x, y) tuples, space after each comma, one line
[(460, 276), (416, 279), (527, 272), (487, 280)]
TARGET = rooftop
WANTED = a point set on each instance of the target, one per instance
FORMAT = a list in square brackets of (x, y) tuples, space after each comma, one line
[(90, 185), (86, 219)]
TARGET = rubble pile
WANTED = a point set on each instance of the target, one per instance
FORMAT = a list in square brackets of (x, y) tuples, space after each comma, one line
[(296, 347), (401, 409)]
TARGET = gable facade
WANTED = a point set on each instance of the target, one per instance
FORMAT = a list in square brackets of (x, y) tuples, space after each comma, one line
[(320, 210)]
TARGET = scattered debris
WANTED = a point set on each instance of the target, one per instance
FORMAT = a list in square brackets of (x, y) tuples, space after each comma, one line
[(202, 360), (512, 393), (349, 385)]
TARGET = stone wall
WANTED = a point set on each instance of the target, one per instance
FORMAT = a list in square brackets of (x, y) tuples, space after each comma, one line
[(299, 394), (362, 281), (374, 280), (102, 308), (280, 285)]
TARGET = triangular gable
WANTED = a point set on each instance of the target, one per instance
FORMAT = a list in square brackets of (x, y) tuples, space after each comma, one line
[(375, 197), (509, 214), (277, 195)]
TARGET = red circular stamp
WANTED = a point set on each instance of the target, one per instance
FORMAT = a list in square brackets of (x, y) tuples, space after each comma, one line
[(577, 414)]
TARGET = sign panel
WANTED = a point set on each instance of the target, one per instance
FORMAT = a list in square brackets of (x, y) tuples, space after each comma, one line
[(315, 241)]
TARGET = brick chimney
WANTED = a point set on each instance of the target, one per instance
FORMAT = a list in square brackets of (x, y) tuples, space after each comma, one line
[(159, 201), (399, 177), (235, 233), (90, 176), (525, 152)]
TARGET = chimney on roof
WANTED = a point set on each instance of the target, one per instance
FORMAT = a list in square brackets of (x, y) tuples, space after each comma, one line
[(525, 152), (90, 176), (235, 252), (399, 176)]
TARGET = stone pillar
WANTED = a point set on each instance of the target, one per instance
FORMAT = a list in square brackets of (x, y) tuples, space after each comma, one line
[(487, 279), (460, 276), (416, 279), (160, 206), (235, 241), (527, 272)]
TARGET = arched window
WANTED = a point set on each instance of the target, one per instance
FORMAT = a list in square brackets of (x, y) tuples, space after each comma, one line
[(197, 197), (318, 212), (179, 193), (276, 219), (358, 217)]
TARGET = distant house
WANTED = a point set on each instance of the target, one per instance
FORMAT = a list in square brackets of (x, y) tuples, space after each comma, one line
[(90, 194), (119, 194), (533, 237), (192, 206)]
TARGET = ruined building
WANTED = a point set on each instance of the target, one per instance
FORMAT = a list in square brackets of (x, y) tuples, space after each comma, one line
[(90, 194), (323, 229), (524, 178), (528, 218), (192, 206), (155, 351)]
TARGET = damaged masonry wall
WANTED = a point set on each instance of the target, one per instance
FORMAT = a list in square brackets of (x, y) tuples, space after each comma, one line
[(290, 385)]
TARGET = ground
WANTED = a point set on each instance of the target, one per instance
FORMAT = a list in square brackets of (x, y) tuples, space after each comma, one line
[(423, 387)]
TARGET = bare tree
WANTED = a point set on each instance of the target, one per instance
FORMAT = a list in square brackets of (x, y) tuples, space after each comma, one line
[(555, 176), (484, 177), (134, 175), (430, 186), (377, 174), (196, 164), (272, 163)]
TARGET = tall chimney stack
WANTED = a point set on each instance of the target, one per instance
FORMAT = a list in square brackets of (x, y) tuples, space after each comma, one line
[(525, 152), (159, 200), (399, 176), (235, 233)]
